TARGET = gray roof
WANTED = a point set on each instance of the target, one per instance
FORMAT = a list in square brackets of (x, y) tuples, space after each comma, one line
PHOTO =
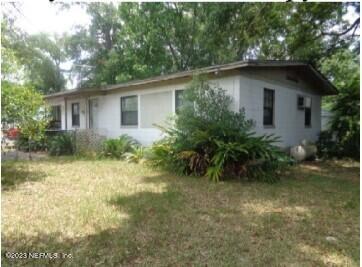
[(325, 86)]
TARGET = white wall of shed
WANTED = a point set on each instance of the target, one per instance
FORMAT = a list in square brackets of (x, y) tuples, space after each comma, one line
[(288, 119)]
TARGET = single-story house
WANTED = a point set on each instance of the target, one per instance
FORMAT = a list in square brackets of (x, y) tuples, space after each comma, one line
[(282, 97)]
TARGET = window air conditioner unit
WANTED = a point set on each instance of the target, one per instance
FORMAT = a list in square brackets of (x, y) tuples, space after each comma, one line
[(304, 102), (301, 102)]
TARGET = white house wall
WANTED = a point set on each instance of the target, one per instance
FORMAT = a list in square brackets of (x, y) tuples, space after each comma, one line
[(288, 119), (109, 109), (246, 87)]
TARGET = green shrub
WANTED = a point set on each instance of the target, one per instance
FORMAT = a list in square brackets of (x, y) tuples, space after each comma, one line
[(22, 143), (117, 148), (326, 145), (61, 144), (207, 138), (136, 155)]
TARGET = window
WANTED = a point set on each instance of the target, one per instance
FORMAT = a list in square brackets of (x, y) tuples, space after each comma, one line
[(75, 114), (129, 111), (307, 112), (300, 102), (55, 122), (154, 108), (178, 99), (268, 119)]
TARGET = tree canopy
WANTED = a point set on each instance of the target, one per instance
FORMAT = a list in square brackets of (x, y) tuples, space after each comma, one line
[(127, 41), (131, 40), (32, 59)]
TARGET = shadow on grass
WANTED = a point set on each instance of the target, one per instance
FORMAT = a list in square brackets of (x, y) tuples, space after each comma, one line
[(142, 235), (189, 222), (15, 173), (333, 170)]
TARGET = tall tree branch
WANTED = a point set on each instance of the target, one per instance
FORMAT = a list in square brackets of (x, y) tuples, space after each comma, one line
[(354, 26)]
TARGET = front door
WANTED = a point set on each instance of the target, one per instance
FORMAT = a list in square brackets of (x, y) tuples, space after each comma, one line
[(93, 113)]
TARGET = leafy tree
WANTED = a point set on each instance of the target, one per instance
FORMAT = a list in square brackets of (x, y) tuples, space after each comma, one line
[(342, 138), (133, 41), (24, 106), (343, 70), (345, 121), (31, 59)]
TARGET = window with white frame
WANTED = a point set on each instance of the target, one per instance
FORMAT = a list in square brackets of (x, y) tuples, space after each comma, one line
[(155, 108), (129, 110), (75, 114)]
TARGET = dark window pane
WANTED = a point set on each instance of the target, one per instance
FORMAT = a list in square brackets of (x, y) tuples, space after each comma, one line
[(307, 116), (300, 101), (75, 114), (268, 118), (55, 122), (129, 110)]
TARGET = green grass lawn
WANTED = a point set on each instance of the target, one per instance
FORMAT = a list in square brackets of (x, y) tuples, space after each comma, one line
[(108, 213)]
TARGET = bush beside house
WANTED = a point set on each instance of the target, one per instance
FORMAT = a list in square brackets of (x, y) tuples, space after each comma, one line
[(207, 138)]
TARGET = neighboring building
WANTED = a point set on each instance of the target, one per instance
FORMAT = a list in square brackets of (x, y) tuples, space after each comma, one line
[(282, 97)]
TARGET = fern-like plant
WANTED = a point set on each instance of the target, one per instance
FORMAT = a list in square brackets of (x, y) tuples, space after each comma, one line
[(137, 155), (207, 138), (61, 144), (117, 148)]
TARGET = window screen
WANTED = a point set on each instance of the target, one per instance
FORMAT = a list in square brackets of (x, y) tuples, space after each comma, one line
[(129, 111), (268, 119), (55, 122), (308, 112), (75, 114), (155, 108)]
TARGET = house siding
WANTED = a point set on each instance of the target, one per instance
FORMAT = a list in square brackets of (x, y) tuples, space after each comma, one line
[(288, 119), (246, 88)]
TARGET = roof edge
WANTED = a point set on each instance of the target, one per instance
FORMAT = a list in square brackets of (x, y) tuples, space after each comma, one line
[(206, 70)]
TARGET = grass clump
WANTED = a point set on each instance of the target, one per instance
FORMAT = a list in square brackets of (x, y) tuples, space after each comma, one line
[(124, 148)]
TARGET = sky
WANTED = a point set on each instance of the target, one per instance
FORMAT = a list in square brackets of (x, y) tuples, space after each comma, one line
[(48, 17), (45, 16)]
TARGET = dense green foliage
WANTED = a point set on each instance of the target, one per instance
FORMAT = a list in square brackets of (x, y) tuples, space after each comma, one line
[(22, 143), (33, 59), (118, 147), (342, 137), (137, 40), (137, 154), (61, 144), (207, 138), (25, 107)]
